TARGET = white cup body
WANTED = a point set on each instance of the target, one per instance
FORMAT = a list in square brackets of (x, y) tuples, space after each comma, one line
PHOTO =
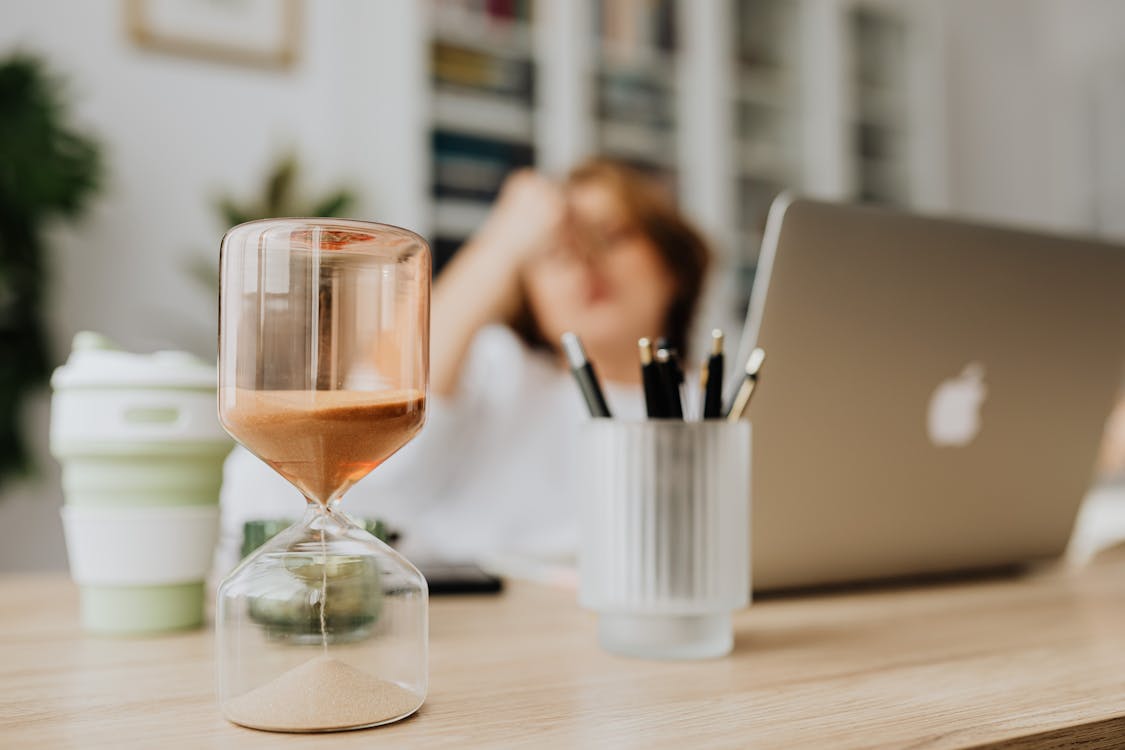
[(140, 546), (665, 539), (142, 453)]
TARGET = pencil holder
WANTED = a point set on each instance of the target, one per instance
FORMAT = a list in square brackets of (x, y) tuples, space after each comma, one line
[(665, 550)]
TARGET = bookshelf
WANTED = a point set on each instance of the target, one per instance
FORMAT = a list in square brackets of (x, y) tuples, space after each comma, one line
[(880, 122), (767, 111), (482, 113), (634, 84), (894, 66), (731, 101)]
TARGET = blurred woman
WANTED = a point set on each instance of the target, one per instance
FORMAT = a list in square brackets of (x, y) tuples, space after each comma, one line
[(606, 255)]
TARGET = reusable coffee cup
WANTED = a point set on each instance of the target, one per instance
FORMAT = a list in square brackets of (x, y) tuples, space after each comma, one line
[(142, 453), (664, 557)]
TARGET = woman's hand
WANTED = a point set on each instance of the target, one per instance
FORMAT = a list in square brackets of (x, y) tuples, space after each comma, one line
[(481, 284), (526, 220)]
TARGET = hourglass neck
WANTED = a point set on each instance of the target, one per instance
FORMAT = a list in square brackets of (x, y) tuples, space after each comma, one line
[(330, 506)]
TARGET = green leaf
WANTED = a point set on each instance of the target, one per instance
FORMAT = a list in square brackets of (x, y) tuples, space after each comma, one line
[(48, 170), (335, 205), (278, 198), (280, 186)]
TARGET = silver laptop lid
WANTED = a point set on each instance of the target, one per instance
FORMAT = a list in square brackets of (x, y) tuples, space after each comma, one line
[(934, 393)]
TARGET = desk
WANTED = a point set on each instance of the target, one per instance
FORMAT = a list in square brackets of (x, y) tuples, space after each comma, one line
[(1037, 661)]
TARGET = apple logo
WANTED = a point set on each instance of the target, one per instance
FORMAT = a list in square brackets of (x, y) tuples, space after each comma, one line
[(954, 413)]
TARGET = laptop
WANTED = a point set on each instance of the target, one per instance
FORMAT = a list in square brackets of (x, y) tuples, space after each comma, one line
[(933, 396)]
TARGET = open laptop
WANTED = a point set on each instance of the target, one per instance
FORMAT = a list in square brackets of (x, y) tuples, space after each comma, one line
[(933, 396)]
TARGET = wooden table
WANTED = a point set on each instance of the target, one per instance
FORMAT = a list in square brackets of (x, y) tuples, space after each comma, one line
[(1037, 661)]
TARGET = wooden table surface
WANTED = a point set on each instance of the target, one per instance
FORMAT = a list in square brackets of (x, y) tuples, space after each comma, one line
[(1035, 661)]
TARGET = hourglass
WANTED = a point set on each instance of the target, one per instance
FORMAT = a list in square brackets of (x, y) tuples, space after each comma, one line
[(323, 368)]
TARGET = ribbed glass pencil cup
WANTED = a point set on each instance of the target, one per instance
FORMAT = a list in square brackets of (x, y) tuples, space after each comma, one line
[(665, 551)]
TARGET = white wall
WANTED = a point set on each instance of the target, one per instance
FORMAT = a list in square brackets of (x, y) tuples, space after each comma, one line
[(998, 122), (1022, 76), (177, 132), (1088, 55)]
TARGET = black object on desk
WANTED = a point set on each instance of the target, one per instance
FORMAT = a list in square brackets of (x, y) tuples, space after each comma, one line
[(446, 577)]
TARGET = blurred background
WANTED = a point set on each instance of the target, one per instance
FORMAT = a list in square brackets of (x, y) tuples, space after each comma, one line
[(178, 118)]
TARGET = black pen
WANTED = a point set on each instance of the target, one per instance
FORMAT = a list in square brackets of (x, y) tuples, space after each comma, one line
[(670, 380), (746, 389), (654, 398), (584, 373), (712, 379), (676, 370)]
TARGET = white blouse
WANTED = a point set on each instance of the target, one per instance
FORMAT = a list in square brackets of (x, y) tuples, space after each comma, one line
[(492, 472)]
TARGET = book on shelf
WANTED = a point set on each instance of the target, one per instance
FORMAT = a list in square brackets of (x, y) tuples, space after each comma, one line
[(766, 33), (472, 167), (461, 68), (632, 28), (492, 10), (879, 41), (443, 248), (635, 99), (756, 195)]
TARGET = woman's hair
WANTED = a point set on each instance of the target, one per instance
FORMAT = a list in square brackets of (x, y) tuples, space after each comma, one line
[(653, 213)]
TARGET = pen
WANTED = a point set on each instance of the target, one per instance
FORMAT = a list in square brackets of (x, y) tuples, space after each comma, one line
[(677, 366), (673, 355), (712, 378), (746, 389), (583, 372), (675, 371), (650, 376), (670, 383)]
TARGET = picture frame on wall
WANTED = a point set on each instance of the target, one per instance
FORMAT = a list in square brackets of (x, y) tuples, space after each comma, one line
[(257, 33)]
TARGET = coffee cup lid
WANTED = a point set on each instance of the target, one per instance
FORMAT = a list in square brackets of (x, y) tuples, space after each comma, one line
[(96, 361)]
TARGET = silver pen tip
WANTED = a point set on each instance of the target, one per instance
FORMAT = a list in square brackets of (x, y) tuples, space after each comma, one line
[(572, 347), (754, 362)]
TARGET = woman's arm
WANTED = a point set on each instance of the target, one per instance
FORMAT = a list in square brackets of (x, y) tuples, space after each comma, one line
[(481, 284)]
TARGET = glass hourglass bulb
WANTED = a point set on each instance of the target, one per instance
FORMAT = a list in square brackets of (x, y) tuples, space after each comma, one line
[(323, 347)]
